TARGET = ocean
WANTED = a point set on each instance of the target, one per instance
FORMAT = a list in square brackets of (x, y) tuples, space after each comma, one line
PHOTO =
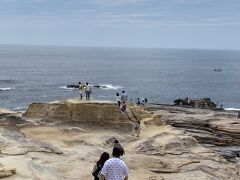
[(40, 74)]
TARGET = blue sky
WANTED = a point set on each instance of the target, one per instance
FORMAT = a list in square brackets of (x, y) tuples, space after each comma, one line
[(204, 24)]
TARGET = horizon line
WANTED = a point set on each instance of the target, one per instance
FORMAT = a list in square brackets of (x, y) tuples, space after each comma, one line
[(126, 47)]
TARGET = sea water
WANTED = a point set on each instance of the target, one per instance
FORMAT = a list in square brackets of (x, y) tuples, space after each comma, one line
[(40, 74)]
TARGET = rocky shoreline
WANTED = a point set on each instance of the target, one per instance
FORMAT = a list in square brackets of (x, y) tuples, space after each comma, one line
[(62, 140), (218, 130)]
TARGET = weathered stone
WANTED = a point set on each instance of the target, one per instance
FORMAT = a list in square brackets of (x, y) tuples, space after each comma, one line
[(88, 112), (200, 103), (54, 140)]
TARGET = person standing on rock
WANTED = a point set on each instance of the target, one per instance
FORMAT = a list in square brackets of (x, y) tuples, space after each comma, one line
[(142, 101), (123, 101), (117, 99), (88, 91), (136, 129), (81, 88), (238, 117), (221, 105), (114, 168), (98, 166), (138, 101), (124, 97), (117, 144), (145, 100), (123, 107)]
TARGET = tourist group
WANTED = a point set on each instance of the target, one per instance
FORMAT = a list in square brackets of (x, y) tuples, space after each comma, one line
[(87, 88), (113, 168)]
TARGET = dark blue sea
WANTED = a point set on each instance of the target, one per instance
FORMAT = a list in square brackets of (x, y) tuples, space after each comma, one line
[(40, 74)]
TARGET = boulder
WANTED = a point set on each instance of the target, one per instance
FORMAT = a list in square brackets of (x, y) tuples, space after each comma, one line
[(200, 103)]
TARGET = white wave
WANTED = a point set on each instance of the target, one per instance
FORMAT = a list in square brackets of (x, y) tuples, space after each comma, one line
[(21, 108), (232, 109), (110, 86), (7, 89), (65, 87)]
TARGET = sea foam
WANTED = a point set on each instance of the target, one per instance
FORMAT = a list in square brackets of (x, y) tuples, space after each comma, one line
[(67, 88), (232, 109), (110, 86), (7, 88)]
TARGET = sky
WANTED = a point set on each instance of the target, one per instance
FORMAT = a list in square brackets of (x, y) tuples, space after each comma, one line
[(205, 24)]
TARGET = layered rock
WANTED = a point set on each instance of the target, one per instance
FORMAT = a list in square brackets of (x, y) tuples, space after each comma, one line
[(6, 172), (218, 130), (63, 140), (94, 112)]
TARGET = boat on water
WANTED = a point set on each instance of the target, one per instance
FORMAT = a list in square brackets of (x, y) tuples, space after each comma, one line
[(218, 70)]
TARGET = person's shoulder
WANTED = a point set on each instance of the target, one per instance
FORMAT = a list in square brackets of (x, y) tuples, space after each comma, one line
[(109, 161), (121, 147), (119, 161), (122, 163)]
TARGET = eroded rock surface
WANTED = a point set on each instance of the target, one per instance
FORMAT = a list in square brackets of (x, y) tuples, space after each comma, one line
[(86, 112), (219, 130), (63, 140)]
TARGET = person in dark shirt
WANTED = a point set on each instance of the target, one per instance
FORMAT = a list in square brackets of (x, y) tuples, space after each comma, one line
[(99, 164), (117, 144)]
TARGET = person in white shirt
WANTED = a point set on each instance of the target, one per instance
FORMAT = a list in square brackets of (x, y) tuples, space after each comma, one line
[(88, 91), (124, 97), (114, 168), (117, 99)]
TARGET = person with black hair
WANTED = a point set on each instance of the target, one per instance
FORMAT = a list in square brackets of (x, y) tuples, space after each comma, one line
[(88, 91), (118, 100), (114, 168), (136, 129), (81, 89), (117, 144), (98, 166), (124, 97)]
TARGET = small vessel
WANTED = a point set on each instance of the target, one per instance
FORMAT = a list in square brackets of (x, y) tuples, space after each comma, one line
[(218, 70)]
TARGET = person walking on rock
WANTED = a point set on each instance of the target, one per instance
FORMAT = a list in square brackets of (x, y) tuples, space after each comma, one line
[(98, 166), (117, 144), (136, 129), (81, 88), (123, 107), (114, 168), (88, 91)]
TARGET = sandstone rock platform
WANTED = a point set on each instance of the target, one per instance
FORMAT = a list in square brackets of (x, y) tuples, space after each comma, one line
[(63, 140)]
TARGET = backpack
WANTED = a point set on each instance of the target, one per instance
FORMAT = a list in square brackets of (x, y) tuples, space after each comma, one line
[(81, 87), (95, 174)]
